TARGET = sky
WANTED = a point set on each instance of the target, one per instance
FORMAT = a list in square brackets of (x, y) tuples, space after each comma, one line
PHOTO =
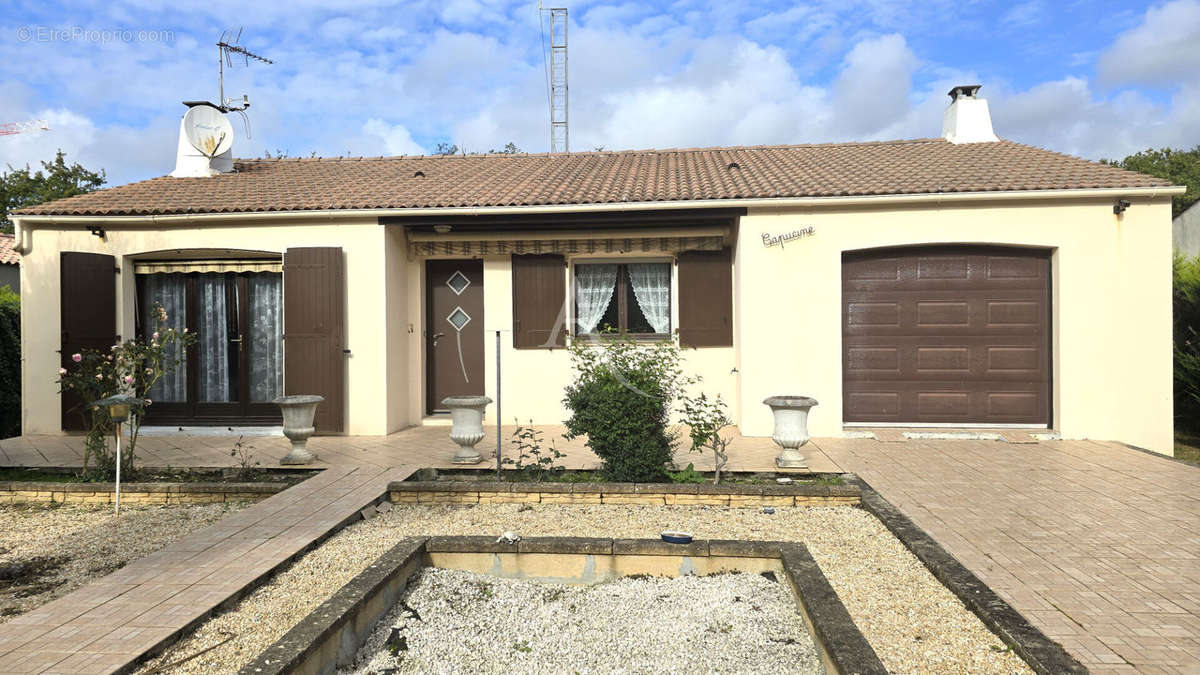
[(1098, 79)]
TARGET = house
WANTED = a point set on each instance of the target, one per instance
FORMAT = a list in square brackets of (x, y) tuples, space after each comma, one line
[(1185, 232), (10, 264), (961, 281)]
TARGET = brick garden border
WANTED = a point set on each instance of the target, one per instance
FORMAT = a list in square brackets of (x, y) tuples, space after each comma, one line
[(331, 635), (22, 492), (650, 494), (1042, 654)]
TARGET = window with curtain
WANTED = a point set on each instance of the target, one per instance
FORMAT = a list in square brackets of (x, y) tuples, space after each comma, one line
[(626, 298), (170, 291)]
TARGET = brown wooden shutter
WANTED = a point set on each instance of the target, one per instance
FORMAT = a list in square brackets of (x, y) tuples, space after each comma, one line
[(88, 315), (314, 306), (539, 298), (706, 298)]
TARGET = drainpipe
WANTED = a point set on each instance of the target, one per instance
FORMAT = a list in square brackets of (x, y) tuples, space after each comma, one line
[(18, 237)]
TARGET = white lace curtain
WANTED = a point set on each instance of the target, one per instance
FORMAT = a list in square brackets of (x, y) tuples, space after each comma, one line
[(170, 291), (652, 289), (594, 285), (216, 302), (266, 337), (212, 342)]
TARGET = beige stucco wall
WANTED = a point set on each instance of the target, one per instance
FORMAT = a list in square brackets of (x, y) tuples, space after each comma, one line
[(368, 251), (534, 380), (1111, 308)]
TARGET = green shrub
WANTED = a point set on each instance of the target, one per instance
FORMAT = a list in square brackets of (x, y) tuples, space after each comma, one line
[(1186, 305), (621, 400), (10, 363)]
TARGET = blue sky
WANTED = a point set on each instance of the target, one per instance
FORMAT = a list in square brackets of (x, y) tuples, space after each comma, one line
[(1096, 79)]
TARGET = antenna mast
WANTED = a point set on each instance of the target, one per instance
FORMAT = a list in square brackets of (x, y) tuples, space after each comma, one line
[(559, 110), (227, 46)]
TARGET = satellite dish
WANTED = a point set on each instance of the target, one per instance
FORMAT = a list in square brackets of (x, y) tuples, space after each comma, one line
[(208, 130)]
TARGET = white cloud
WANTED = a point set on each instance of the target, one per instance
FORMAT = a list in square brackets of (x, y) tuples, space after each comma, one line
[(396, 138), (1163, 50)]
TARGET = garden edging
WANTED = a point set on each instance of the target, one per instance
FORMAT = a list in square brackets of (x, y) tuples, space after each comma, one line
[(21, 492), (650, 494)]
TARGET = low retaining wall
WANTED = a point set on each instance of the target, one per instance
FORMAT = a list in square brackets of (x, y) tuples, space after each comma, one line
[(652, 494), (330, 636), (136, 493)]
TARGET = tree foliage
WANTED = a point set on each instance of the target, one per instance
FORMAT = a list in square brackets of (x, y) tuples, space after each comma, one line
[(10, 363), (22, 187), (1186, 301), (1181, 167)]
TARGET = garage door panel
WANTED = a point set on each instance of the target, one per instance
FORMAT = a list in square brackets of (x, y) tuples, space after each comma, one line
[(944, 358), (947, 335)]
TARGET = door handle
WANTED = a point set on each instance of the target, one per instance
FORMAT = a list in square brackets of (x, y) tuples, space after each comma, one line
[(436, 336)]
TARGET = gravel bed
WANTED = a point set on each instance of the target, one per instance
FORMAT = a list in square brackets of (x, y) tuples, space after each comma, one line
[(459, 622), (48, 550), (913, 622)]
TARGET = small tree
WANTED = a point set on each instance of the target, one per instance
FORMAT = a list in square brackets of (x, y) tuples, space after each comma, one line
[(621, 400), (132, 367), (706, 419)]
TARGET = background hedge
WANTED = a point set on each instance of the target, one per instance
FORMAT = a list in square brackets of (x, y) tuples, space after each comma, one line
[(10, 363)]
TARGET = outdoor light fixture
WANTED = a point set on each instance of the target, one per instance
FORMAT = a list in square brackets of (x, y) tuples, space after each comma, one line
[(442, 229), (119, 408), (1120, 206), (96, 231)]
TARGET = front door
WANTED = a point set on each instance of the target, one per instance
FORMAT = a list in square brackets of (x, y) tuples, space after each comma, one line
[(453, 330)]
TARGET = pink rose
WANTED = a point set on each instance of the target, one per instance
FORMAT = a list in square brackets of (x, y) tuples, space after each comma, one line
[(154, 335), (77, 357), (128, 379), (99, 376)]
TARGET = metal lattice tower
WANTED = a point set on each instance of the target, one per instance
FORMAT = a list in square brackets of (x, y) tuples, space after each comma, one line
[(559, 136)]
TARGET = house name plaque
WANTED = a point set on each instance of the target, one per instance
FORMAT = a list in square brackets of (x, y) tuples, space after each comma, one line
[(780, 239)]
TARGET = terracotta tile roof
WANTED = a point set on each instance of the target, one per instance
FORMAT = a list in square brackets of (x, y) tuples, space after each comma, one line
[(842, 169), (7, 255)]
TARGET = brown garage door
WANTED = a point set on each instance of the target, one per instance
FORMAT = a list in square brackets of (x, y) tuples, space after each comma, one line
[(952, 335)]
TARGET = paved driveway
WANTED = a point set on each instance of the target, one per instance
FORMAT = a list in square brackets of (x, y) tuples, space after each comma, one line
[(1097, 544)]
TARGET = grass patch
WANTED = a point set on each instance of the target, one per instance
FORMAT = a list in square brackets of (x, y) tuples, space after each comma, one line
[(1187, 447)]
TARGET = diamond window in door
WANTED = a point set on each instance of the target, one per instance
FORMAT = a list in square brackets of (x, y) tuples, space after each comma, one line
[(458, 318), (458, 283)]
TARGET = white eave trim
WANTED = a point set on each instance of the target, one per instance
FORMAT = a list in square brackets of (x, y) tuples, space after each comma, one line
[(784, 202)]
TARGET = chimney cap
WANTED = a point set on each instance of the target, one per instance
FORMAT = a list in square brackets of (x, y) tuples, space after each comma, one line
[(967, 90)]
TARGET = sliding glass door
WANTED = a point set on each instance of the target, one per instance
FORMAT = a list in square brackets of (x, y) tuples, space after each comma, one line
[(235, 368)]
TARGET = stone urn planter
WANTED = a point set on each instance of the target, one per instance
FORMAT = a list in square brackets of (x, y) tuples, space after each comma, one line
[(298, 413), (466, 425), (791, 428)]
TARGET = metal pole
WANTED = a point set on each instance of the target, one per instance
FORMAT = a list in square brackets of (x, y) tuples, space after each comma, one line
[(117, 508), (498, 418)]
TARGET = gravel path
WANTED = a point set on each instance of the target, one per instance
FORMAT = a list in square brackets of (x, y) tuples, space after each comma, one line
[(47, 551), (459, 622), (911, 620)]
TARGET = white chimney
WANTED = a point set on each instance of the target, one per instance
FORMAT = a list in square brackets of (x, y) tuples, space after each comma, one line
[(205, 145), (967, 119)]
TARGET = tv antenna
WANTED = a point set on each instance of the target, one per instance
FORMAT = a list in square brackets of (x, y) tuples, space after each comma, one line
[(228, 50), (556, 75)]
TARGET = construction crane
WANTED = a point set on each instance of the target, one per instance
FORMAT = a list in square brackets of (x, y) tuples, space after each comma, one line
[(10, 128)]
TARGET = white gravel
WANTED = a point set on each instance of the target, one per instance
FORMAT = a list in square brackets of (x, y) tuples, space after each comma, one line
[(75, 543), (914, 623), (459, 622)]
